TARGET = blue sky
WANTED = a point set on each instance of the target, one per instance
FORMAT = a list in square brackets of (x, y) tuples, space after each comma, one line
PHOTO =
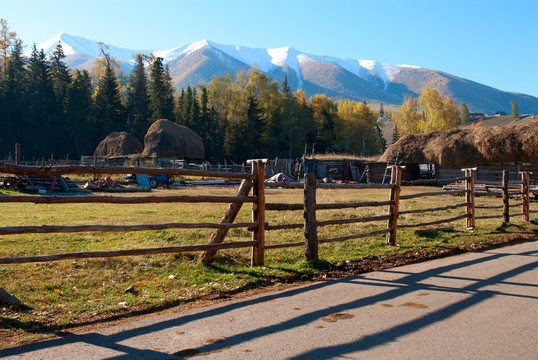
[(493, 42)]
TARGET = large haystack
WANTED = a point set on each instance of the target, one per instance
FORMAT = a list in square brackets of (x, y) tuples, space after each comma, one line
[(118, 144), (469, 147), (167, 139)]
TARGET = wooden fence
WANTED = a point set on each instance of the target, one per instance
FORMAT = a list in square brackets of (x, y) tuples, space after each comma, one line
[(258, 226)]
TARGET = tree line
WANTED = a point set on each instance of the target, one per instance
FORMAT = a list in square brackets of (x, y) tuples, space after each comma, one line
[(51, 109)]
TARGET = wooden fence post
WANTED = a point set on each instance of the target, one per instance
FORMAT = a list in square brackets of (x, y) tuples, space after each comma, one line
[(525, 194), (395, 179), (219, 235), (258, 212), (506, 198), (17, 154), (469, 197), (310, 223)]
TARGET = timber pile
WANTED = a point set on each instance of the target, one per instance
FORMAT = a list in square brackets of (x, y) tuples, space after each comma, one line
[(42, 184), (485, 190)]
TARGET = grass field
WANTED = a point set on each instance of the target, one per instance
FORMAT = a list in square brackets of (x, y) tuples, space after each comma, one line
[(63, 294)]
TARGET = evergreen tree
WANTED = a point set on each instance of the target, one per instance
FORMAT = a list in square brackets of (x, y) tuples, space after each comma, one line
[(194, 113), (161, 91), (60, 75), (285, 86), (324, 111), (515, 110), (464, 114), (60, 83), (305, 127), (244, 138), (138, 120), (185, 113), (289, 114), (395, 134), (80, 125), (43, 136), (208, 128), (109, 109), (14, 101)]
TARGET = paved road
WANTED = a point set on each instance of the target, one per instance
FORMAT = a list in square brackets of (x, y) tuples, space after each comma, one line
[(474, 306)]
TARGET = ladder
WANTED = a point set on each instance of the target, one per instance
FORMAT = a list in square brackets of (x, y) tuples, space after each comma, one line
[(391, 161)]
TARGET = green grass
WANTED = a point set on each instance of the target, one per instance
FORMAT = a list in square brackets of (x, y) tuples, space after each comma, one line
[(62, 294)]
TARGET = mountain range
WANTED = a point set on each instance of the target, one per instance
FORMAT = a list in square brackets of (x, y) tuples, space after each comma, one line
[(361, 80)]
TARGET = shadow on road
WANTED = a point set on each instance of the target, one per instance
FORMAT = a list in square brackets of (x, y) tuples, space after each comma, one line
[(408, 283)]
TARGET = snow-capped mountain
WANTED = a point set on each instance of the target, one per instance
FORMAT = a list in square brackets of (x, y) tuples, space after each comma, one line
[(355, 79)]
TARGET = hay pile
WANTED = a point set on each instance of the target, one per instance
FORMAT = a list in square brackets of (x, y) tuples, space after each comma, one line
[(470, 147), (169, 140), (118, 144)]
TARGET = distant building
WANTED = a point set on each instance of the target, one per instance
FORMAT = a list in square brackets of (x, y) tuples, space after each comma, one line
[(476, 115)]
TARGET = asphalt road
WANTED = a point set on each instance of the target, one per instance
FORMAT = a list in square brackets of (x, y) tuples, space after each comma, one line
[(480, 305)]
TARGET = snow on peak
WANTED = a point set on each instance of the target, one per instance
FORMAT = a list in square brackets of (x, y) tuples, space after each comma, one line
[(182, 50), (265, 60), (72, 45)]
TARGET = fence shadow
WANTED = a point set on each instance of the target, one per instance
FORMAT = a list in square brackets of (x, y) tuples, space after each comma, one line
[(410, 282)]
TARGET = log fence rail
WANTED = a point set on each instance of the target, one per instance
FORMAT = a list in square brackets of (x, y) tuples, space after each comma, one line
[(255, 181)]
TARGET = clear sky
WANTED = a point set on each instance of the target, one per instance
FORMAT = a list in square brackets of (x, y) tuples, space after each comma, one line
[(493, 42)]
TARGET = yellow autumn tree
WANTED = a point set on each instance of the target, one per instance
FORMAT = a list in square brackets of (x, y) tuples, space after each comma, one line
[(357, 130), (439, 112), (407, 119), (429, 112)]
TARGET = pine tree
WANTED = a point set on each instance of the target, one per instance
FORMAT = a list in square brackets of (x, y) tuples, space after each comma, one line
[(184, 105), (42, 132), (14, 100), (285, 86), (138, 120), (79, 114), (395, 134), (194, 113), (245, 139), (60, 83), (60, 75), (515, 110), (324, 111), (464, 114), (161, 91), (109, 109)]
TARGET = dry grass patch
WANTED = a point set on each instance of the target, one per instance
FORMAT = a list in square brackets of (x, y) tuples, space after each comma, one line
[(64, 294)]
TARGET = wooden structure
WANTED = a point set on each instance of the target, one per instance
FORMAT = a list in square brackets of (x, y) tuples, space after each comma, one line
[(258, 225)]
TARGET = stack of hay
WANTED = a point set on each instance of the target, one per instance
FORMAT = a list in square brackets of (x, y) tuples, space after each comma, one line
[(469, 147)]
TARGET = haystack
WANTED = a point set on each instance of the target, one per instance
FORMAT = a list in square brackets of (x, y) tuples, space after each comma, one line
[(170, 140), (469, 147), (118, 144)]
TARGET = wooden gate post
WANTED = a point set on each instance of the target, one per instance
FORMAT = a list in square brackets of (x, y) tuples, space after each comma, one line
[(395, 179), (258, 211), (310, 222), (525, 194), (506, 198), (469, 197)]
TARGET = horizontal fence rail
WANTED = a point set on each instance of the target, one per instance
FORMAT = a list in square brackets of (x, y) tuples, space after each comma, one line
[(255, 182), (222, 227)]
